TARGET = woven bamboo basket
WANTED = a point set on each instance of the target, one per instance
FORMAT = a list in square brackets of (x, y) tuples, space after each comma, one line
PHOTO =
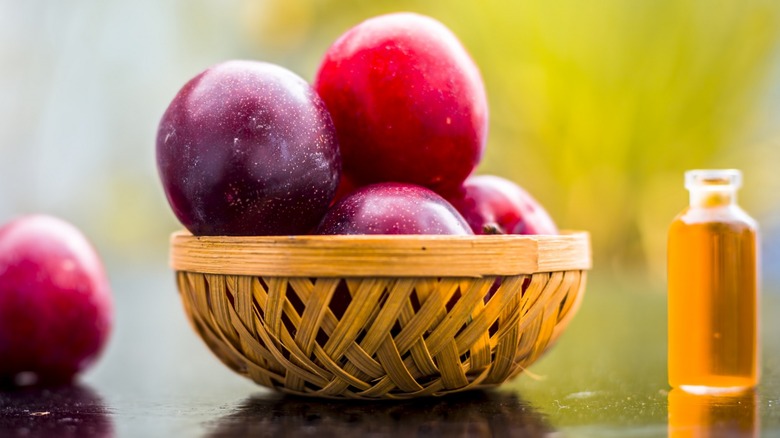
[(380, 317)]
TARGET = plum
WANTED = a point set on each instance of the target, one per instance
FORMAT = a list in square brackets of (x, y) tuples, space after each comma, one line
[(407, 100), (491, 204), (248, 148), (393, 208), (56, 308)]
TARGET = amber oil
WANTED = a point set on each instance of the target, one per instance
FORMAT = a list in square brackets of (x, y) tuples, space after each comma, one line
[(713, 288)]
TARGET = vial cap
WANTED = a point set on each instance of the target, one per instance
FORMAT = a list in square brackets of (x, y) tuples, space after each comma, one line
[(713, 178)]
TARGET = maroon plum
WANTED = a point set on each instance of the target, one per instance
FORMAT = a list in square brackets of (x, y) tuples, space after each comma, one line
[(248, 148), (56, 308), (407, 100), (491, 204), (393, 208)]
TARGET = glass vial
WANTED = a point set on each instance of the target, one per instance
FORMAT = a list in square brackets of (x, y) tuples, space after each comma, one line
[(713, 288)]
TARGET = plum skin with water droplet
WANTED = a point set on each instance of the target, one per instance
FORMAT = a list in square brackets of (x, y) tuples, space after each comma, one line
[(393, 208), (56, 308), (248, 148), (407, 100)]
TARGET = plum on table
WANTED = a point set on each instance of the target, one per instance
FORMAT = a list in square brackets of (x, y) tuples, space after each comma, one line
[(56, 308)]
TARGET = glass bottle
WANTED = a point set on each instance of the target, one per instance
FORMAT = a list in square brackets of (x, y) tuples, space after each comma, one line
[(713, 288)]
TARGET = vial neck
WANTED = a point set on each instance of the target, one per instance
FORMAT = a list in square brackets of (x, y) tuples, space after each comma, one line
[(712, 197)]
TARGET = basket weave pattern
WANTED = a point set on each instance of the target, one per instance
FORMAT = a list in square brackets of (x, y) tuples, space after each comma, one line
[(380, 337)]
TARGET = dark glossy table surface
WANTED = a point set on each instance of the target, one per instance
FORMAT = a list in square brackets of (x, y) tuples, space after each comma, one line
[(606, 377)]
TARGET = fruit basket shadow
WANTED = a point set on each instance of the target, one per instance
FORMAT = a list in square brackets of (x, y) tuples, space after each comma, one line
[(376, 316)]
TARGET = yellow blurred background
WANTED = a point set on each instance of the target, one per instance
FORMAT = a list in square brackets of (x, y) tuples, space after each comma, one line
[(597, 107)]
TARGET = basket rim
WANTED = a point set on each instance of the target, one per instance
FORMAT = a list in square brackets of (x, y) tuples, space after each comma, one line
[(380, 255)]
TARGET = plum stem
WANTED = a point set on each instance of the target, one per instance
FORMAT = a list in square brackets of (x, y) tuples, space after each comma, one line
[(492, 228)]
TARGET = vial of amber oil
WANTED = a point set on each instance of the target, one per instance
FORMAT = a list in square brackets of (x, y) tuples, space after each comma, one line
[(713, 288)]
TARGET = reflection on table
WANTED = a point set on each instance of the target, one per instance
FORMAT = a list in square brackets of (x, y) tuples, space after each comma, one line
[(473, 414), (66, 411), (706, 415)]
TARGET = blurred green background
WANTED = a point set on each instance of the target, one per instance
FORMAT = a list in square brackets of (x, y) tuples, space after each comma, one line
[(597, 107)]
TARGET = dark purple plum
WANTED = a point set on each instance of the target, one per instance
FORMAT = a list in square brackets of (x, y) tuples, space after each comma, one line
[(495, 205), (56, 308), (393, 208), (248, 148)]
